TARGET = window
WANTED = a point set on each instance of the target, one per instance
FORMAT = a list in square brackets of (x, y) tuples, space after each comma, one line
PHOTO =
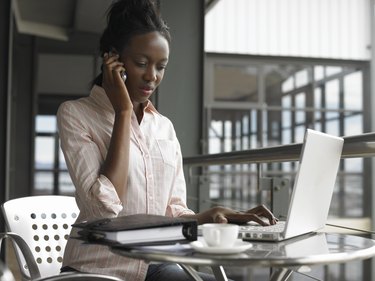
[(51, 174), (281, 100)]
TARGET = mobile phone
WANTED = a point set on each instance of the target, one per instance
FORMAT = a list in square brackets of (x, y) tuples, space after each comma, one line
[(123, 76)]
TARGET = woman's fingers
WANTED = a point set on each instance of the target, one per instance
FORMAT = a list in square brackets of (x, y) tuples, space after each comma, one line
[(112, 67), (226, 215), (220, 218), (263, 211), (256, 214), (241, 218), (110, 58)]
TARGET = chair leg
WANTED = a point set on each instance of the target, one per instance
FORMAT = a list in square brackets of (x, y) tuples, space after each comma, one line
[(191, 272), (281, 274), (219, 273)]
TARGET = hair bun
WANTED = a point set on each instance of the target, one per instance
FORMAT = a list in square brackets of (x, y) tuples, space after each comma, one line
[(122, 9)]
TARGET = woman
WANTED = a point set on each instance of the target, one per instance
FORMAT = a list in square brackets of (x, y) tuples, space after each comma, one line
[(122, 154)]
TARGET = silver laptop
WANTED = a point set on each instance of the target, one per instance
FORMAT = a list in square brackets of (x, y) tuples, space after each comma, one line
[(312, 191)]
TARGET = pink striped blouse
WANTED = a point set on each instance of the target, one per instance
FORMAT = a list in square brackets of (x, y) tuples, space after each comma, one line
[(156, 182)]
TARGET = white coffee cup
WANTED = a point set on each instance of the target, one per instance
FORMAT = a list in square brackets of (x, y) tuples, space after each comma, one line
[(220, 234)]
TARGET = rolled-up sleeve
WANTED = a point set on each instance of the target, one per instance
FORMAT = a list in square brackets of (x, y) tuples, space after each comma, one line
[(96, 195)]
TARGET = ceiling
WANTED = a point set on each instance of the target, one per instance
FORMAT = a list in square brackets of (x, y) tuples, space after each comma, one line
[(57, 19)]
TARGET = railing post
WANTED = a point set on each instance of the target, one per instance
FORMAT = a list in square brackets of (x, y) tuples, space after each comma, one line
[(280, 197), (204, 193), (280, 194)]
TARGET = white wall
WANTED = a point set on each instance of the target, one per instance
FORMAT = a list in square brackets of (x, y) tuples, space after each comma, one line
[(65, 74), (338, 29)]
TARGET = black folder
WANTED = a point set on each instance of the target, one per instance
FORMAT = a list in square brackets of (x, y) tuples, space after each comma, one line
[(138, 229)]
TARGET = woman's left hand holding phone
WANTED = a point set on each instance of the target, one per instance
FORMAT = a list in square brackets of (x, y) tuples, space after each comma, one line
[(113, 83)]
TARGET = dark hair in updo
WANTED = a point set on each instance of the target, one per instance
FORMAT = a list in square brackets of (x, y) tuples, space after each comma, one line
[(127, 18)]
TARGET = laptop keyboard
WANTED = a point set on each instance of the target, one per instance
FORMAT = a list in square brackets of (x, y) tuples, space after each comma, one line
[(279, 227)]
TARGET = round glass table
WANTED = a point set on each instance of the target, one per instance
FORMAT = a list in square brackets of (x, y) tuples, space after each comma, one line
[(283, 257)]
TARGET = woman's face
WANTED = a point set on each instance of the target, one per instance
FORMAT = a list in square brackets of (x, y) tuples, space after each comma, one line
[(145, 60)]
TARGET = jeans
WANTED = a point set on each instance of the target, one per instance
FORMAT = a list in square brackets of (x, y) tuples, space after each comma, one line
[(172, 272)]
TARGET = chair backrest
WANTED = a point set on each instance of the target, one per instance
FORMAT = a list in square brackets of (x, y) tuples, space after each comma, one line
[(44, 222)]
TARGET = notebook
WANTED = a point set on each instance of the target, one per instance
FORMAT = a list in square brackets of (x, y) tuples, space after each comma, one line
[(144, 229), (312, 192)]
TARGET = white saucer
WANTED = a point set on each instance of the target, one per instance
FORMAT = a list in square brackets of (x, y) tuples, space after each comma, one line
[(238, 247)]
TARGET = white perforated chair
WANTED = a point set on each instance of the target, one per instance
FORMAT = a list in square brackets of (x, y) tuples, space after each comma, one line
[(44, 224)]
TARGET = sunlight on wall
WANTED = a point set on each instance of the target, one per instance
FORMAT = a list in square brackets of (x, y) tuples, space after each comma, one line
[(337, 29)]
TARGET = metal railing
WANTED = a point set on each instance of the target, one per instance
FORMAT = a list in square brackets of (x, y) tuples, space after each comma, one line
[(354, 146), (358, 146)]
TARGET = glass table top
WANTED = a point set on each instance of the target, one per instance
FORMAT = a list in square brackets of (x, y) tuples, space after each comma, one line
[(316, 248)]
